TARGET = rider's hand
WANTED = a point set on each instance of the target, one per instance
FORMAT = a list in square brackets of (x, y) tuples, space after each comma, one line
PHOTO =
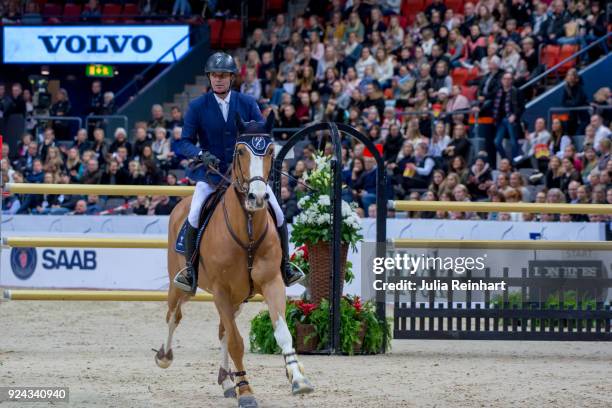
[(209, 160)]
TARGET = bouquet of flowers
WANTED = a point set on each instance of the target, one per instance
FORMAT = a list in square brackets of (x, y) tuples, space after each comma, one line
[(314, 223)]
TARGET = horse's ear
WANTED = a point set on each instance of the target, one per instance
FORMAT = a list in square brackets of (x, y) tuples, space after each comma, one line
[(269, 122), (239, 123)]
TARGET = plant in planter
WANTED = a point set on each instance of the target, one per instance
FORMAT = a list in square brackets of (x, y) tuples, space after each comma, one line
[(313, 228)]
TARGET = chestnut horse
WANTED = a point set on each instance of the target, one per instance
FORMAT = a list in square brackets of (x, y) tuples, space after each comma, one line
[(224, 264)]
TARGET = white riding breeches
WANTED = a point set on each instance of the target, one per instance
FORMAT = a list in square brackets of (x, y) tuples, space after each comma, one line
[(203, 190)]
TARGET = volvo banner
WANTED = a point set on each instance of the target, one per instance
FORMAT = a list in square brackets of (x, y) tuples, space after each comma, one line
[(126, 44)]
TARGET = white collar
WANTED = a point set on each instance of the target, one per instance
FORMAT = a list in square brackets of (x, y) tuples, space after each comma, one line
[(226, 99)]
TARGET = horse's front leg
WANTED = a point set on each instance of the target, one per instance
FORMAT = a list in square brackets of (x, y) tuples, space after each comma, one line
[(274, 293)]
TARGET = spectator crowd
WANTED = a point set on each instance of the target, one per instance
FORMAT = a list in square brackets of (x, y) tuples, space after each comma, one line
[(416, 85)]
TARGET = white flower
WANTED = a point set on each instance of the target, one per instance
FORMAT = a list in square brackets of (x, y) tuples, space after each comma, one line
[(324, 200)]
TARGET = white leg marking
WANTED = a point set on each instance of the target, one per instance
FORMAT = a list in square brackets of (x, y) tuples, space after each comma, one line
[(227, 383), (171, 328), (283, 339)]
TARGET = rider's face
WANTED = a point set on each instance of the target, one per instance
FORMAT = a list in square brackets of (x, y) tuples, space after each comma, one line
[(220, 81)]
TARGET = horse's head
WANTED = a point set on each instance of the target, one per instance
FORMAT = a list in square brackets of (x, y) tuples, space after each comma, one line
[(252, 162)]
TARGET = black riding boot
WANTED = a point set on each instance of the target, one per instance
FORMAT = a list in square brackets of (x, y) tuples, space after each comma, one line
[(290, 274), (185, 280)]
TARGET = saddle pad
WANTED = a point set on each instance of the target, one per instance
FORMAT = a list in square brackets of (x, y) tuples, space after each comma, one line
[(205, 215)]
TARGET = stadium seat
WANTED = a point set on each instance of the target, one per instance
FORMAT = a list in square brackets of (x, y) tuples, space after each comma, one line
[(459, 76), (455, 5), (215, 32), (403, 21), (473, 73), (469, 92), (232, 33), (275, 6), (411, 7), (111, 13), (567, 51), (52, 12), (130, 11), (550, 55), (72, 13)]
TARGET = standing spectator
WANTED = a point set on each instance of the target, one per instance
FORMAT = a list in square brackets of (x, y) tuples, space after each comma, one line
[(108, 106), (573, 97), (601, 131), (61, 107), (15, 105), (507, 111)]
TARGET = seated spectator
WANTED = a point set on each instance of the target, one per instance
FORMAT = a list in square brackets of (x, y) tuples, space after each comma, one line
[(114, 174), (157, 117), (141, 140), (91, 13), (135, 176), (93, 173), (36, 174), (140, 206), (120, 141), (459, 145), (536, 152), (177, 118), (479, 179), (162, 205)]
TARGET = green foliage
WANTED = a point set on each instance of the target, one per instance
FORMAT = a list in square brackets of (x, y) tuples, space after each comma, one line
[(261, 335)]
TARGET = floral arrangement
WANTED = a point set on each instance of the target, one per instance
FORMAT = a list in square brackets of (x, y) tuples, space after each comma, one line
[(359, 325), (313, 224)]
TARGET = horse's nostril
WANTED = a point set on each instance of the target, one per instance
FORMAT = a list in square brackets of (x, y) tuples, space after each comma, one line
[(266, 196), (251, 196)]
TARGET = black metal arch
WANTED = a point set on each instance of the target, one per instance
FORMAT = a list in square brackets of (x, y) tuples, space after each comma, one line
[(336, 200)]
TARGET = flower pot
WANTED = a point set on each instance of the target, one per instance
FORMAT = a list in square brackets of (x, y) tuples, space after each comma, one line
[(320, 258), (357, 346), (306, 338)]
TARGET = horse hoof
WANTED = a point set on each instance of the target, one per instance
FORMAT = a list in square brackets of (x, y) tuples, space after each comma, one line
[(229, 393), (163, 359), (301, 387), (248, 401)]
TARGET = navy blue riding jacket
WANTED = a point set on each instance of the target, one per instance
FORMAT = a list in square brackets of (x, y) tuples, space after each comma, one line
[(204, 124)]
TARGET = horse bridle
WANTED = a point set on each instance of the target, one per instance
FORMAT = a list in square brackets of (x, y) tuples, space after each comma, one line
[(242, 185)]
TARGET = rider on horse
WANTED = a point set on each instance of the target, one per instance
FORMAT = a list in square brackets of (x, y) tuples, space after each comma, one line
[(210, 121)]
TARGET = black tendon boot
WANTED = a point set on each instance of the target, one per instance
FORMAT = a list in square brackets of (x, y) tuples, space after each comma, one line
[(290, 273), (185, 280)]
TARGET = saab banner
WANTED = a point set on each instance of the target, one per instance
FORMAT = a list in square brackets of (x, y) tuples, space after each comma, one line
[(126, 44)]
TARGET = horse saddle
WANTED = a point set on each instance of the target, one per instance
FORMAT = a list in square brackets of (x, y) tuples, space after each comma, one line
[(206, 213)]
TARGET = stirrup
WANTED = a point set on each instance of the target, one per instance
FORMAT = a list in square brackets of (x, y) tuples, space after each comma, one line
[(189, 289), (298, 273)]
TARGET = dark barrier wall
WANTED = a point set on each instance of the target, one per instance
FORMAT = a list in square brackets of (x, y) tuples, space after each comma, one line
[(171, 81), (595, 76)]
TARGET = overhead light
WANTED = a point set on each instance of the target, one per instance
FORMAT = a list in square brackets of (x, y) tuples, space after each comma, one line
[(44, 70)]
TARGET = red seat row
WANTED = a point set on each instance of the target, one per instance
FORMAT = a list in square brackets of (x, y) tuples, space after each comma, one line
[(225, 33), (412, 7), (111, 13), (551, 55)]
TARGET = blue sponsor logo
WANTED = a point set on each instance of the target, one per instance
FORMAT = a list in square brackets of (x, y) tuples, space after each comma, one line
[(96, 44), (23, 262), (66, 259)]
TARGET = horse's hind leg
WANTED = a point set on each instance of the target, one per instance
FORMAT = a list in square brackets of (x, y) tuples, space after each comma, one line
[(274, 293), (225, 377), (164, 356)]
